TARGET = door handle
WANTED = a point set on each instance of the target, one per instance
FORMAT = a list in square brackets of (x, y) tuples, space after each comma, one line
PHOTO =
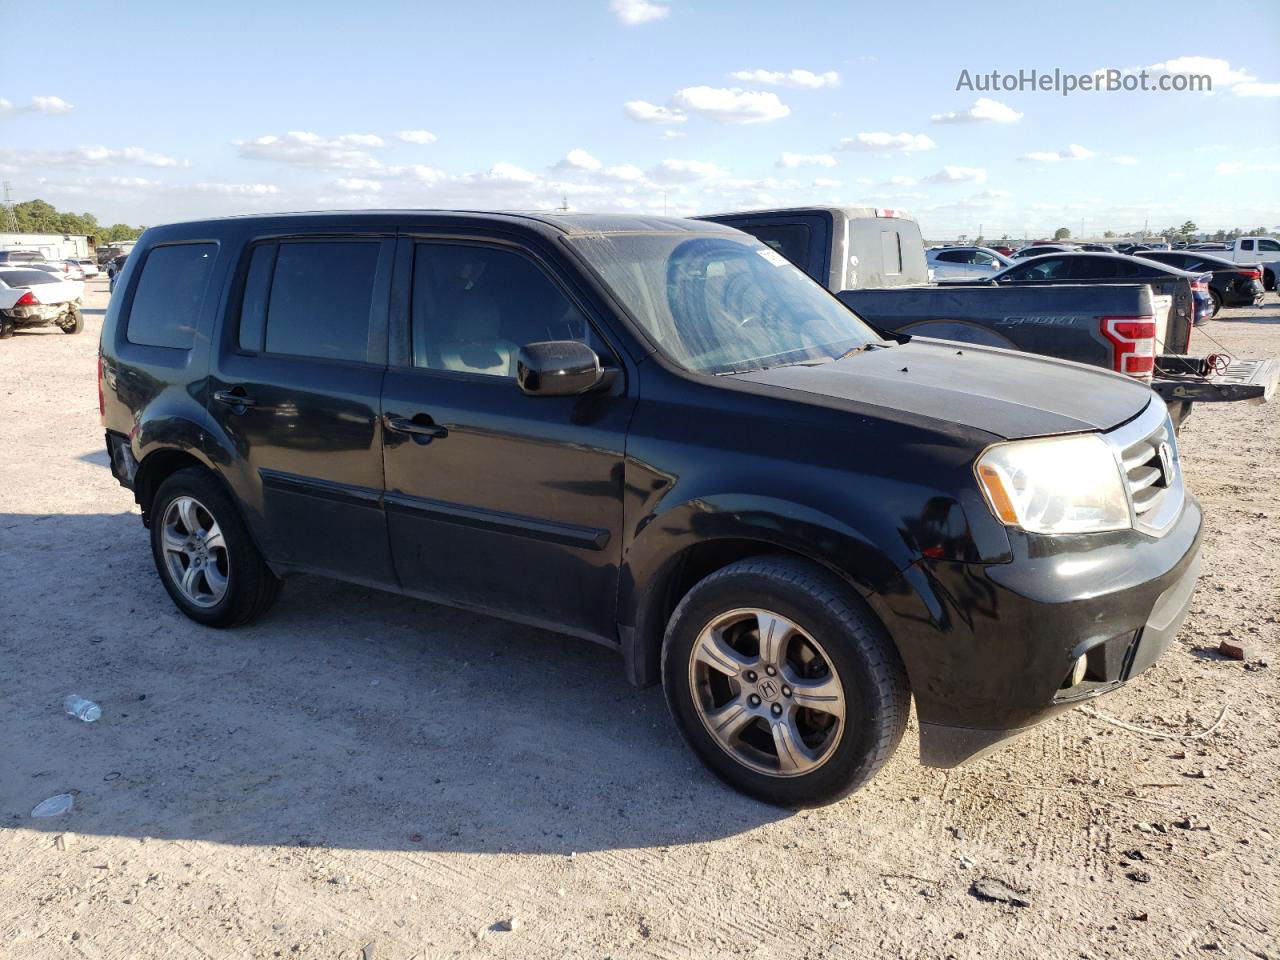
[(233, 399), (421, 432)]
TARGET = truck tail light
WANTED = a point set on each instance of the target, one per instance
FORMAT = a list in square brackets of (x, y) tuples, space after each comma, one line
[(102, 400), (1133, 344), (28, 299)]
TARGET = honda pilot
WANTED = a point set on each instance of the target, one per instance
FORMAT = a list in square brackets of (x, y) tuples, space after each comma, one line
[(658, 435)]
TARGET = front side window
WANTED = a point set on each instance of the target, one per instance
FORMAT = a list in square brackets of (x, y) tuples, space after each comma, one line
[(473, 308), (722, 303), (1269, 245), (168, 295), (321, 298)]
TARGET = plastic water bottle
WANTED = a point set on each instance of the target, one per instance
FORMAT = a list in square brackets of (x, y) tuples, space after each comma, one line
[(82, 709)]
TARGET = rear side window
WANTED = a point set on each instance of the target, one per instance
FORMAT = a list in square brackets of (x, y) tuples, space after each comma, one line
[(1268, 245), (320, 298), (168, 295)]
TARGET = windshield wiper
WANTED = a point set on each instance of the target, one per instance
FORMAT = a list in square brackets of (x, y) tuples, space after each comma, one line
[(860, 348)]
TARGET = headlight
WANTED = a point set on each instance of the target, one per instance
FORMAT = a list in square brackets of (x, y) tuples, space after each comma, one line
[(1055, 485)]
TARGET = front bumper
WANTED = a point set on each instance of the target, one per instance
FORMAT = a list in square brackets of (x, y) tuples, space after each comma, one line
[(989, 648)]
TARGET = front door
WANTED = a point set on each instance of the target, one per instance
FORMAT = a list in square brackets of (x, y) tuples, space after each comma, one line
[(296, 387), (496, 500)]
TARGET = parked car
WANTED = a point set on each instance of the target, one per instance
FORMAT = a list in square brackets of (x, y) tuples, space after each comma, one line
[(1264, 251), (1106, 268), (948, 262), (1230, 284), (89, 266), (113, 271), (1096, 248), (869, 246), (1039, 250), (660, 435), (1002, 250), (1138, 327), (71, 268), (32, 298), (9, 258)]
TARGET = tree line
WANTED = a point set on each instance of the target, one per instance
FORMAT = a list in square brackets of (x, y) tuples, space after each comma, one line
[(36, 216)]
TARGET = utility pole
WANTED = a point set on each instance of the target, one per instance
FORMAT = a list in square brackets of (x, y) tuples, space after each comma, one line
[(664, 203), (10, 218), (564, 203)]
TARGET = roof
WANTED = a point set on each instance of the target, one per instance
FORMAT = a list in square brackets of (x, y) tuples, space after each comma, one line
[(571, 224), (852, 213)]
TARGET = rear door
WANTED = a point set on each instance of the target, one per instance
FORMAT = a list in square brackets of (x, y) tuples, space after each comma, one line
[(296, 387), (496, 500)]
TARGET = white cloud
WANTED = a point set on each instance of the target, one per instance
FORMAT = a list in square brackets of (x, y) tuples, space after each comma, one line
[(984, 110), (1228, 169), (899, 142), (578, 159), (803, 79), (6, 106), (1256, 89), (13, 160), (897, 181), (1125, 161), (50, 105), (685, 171), (826, 183), (1072, 151), (731, 105), (672, 135), (358, 185), (792, 160), (950, 174), (302, 149), (647, 112), (416, 136), (240, 189), (624, 172), (633, 12), (1219, 70), (507, 173)]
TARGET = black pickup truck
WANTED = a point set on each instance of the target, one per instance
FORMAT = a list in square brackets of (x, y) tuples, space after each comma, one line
[(1142, 330)]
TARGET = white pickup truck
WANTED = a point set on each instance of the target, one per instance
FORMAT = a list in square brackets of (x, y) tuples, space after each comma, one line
[(1260, 250)]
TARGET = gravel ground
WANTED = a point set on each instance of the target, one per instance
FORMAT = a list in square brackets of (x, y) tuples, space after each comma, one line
[(360, 772)]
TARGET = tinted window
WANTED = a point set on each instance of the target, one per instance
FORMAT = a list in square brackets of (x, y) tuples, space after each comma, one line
[(1246, 244), (26, 278), (1041, 268), (1268, 245), (168, 295), (953, 256), (790, 239), (474, 307), (982, 258), (1104, 268), (257, 289), (321, 297)]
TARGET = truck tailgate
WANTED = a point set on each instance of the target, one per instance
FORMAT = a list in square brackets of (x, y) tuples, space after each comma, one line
[(1251, 380)]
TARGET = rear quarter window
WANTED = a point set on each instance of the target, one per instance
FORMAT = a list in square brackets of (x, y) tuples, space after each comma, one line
[(168, 295)]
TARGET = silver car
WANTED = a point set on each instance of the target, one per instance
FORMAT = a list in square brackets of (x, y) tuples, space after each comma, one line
[(955, 263)]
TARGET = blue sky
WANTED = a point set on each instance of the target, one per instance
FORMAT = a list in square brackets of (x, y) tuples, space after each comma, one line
[(698, 105)]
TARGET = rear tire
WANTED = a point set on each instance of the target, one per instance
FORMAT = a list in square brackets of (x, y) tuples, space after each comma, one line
[(75, 324), (203, 552), (1217, 301), (803, 719), (7, 328)]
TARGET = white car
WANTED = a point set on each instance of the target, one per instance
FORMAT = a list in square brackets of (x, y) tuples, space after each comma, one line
[(956, 263), (33, 298), (90, 268)]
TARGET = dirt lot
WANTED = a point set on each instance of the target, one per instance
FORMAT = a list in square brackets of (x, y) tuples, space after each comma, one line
[(363, 772)]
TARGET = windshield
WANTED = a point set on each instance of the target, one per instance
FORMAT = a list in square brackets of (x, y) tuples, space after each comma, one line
[(723, 304)]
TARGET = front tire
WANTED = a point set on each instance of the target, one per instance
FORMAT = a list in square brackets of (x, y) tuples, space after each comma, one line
[(202, 550), (783, 681)]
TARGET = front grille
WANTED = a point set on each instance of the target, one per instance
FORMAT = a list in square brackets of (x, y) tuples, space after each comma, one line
[(1148, 453)]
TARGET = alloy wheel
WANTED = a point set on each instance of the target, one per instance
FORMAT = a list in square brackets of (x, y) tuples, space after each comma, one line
[(767, 692), (195, 551)]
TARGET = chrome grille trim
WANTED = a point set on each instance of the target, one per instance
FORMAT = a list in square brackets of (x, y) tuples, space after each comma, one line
[(1154, 499)]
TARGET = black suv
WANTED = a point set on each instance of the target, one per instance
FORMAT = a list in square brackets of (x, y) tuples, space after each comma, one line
[(659, 435)]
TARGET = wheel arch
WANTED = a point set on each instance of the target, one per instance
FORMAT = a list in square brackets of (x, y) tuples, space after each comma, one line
[(661, 568)]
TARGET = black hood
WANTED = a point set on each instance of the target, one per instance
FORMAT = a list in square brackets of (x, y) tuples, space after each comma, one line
[(1002, 392)]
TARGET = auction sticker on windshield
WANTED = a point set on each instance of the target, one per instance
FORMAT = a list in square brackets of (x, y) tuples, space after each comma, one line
[(774, 257)]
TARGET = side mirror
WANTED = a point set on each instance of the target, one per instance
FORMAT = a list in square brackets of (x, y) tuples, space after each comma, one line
[(560, 368)]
